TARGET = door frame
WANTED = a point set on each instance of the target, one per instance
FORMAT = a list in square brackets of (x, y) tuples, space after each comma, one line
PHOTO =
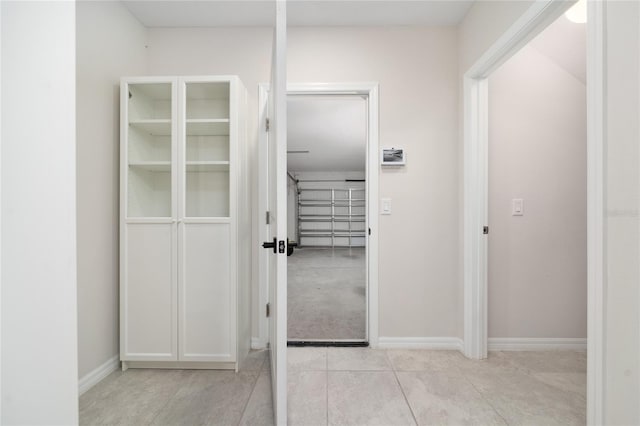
[(370, 91), (476, 113)]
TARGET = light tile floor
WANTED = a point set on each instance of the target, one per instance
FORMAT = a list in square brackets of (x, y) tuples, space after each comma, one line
[(354, 386), (182, 397)]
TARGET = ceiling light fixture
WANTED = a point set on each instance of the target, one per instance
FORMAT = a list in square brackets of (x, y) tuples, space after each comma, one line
[(297, 152), (578, 12)]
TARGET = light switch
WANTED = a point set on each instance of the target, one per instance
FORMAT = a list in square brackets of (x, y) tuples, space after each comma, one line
[(517, 207), (386, 205)]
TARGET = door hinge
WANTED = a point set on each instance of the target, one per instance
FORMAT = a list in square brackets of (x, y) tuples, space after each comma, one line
[(369, 231), (268, 218), (267, 125), (268, 310), (485, 230)]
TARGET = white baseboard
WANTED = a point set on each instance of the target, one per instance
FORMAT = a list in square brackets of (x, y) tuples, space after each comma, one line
[(94, 377), (537, 344), (444, 343), (258, 343)]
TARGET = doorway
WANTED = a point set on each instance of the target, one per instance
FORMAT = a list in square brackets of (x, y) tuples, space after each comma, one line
[(476, 106), (537, 193), (326, 198), (369, 93)]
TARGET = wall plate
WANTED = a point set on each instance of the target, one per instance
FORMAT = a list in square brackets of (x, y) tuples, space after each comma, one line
[(393, 157)]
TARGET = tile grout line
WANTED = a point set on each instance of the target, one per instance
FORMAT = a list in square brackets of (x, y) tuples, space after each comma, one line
[(167, 402), (253, 389), (406, 400), (464, 375)]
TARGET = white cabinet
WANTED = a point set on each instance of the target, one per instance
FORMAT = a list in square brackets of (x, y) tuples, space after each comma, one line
[(184, 221)]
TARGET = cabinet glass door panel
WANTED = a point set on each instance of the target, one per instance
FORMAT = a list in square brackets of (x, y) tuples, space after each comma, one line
[(207, 100), (207, 149), (149, 135)]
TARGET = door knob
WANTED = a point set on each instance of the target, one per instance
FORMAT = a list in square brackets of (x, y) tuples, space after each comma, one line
[(273, 245), (290, 246)]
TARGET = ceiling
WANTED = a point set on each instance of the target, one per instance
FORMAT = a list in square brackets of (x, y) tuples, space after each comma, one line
[(229, 13), (332, 128), (565, 43)]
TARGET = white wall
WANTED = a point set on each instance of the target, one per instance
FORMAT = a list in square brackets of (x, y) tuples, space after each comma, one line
[(39, 328), (418, 109), (110, 44), (538, 152), (622, 175)]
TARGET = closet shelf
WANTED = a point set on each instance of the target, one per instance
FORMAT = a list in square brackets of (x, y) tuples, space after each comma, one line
[(342, 200), (333, 214), (207, 166), (152, 166), (207, 127), (328, 233), (156, 127), (335, 220)]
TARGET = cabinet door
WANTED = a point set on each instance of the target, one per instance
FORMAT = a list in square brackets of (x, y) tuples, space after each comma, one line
[(148, 214), (148, 149), (206, 163), (148, 294), (207, 294)]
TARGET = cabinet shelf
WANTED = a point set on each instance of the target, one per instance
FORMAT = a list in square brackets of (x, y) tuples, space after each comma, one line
[(192, 166), (207, 166), (152, 166), (155, 127), (207, 127)]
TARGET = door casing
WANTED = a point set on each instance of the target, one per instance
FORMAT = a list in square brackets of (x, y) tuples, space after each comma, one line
[(370, 92)]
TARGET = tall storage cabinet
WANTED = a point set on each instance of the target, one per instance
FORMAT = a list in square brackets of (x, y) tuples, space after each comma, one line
[(184, 227)]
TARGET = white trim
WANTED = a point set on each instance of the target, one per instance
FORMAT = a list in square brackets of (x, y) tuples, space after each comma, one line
[(537, 344), (373, 196), (532, 22), (596, 260), (440, 343), (475, 217), (263, 206), (370, 90), (181, 365), (94, 377), (258, 343)]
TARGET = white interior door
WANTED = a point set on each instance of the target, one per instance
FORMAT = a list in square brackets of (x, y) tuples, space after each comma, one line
[(278, 216)]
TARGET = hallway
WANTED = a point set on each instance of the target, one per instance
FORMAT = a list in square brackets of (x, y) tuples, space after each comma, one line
[(332, 386)]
